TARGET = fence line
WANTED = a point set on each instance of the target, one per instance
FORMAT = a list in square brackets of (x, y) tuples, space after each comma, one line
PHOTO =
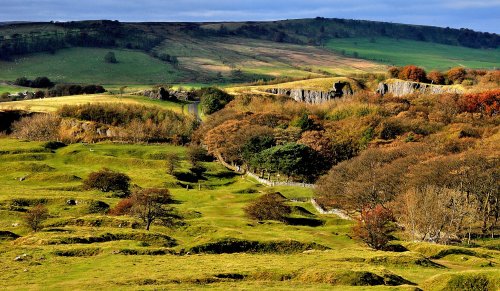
[(278, 183)]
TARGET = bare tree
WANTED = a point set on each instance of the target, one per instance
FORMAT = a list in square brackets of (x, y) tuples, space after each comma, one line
[(151, 204), (36, 216)]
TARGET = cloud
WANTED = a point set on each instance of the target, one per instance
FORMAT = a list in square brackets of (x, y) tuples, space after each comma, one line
[(475, 14)]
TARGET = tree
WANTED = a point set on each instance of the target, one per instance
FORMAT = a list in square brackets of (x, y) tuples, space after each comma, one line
[(110, 58), (42, 82), (151, 204), (291, 159), (23, 82), (436, 77), (36, 216), (374, 226), (268, 207), (213, 99), (107, 180), (413, 73), (456, 75)]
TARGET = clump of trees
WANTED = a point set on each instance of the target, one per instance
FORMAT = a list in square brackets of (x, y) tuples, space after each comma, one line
[(213, 99), (269, 207), (39, 82), (130, 123), (106, 180), (35, 217), (412, 73)]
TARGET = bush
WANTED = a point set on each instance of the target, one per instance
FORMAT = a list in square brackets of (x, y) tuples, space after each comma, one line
[(456, 75), (413, 73), (107, 180), (269, 207), (97, 207), (110, 58), (213, 99), (123, 207), (436, 77), (54, 145), (36, 216), (39, 127)]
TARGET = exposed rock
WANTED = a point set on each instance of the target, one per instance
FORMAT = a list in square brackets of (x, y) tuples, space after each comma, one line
[(171, 95), (400, 88), (339, 89)]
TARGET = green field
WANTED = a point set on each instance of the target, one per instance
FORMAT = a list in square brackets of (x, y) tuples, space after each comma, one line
[(58, 259), (86, 65), (428, 55)]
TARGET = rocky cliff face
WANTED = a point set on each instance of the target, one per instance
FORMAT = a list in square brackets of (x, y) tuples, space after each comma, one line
[(171, 95), (339, 89), (401, 88)]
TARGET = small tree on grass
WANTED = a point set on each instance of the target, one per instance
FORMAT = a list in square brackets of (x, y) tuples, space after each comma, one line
[(36, 216), (151, 204), (107, 180), (110, 58), (375, 226), (269, 207)]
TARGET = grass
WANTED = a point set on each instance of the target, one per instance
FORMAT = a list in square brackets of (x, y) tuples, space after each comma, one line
[(52, 104), (12, 89), (211, 214), (200, 60), (86, 65), (428, 55)]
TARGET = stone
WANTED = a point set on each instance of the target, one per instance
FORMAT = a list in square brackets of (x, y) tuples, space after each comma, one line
[(399, 88)]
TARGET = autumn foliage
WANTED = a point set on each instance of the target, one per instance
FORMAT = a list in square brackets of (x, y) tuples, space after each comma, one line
[(413, 73), (487, 102), (374, 226)]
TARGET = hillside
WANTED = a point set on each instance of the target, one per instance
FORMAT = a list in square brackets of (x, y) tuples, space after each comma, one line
[(78, 244), (401, 52), (235, 52)]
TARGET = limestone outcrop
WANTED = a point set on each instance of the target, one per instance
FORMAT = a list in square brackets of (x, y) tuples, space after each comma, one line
[(400, 88), (172, 95), (339, 89)]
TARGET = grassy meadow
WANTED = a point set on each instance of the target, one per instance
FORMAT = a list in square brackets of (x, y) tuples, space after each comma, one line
[(125, 257), (86, 65), (428, 55)]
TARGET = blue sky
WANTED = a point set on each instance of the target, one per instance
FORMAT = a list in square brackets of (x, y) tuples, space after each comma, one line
[(482, 15)]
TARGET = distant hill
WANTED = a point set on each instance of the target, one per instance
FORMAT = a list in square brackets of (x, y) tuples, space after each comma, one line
[(227, 52)]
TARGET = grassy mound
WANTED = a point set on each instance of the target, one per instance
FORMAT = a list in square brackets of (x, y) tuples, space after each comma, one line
[(233, 245), (152, 238)]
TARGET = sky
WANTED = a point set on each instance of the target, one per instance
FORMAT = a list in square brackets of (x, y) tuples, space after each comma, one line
[(480, 15)]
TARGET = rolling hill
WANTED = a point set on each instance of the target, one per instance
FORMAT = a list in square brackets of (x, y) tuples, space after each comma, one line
[(150, 53)]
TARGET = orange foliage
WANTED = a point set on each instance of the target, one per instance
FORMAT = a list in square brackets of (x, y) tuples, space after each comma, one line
[(487, 102), (413, 73)]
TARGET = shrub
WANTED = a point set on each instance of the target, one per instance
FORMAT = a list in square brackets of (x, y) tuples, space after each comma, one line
[(268, 207), (413, 73), (123, 207), (39, 127), (110, 58), (197, 154), (97, 207), (436, 77), (456, 75), (107, 180), (393, 72), (54, 145), (374, 227), (487, 102), (36, 216), (213, 99)]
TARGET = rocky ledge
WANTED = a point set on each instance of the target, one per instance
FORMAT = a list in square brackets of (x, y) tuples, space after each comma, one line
[(400, 88), (339, 89)]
